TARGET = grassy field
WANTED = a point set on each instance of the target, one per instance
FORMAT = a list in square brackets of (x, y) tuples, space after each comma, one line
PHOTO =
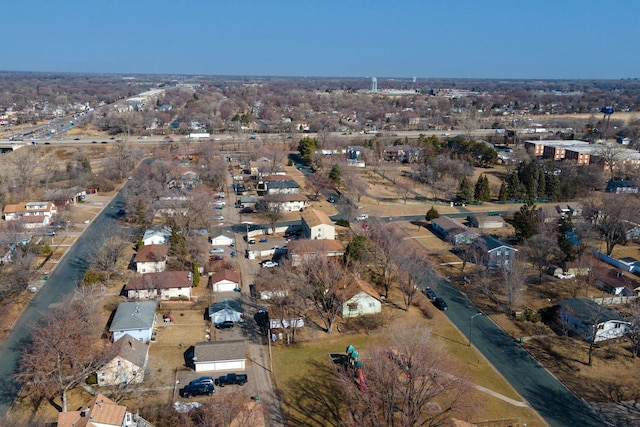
[(303, 374)]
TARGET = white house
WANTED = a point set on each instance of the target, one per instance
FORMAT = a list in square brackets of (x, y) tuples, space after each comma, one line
[(29, 209), (151, 258), (317, 225), (156, 236), (359, 298), (167, 285), (135, 318), (224, 281), (583, 316), (227, 310), (221, 240), (128, 366), (220, 356)]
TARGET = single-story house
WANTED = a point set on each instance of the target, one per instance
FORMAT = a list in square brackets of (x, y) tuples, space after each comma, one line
[(302, 249), (220, 356), (221, 240), (248, 202), (156, 236), (168, 285), (485, 221), (128, 366), (227, 310), (583, 316), (453, 231), (98, 412), (289, 202), (135, 318), (614, 281), (400, 153), (359, 298), (224, 280), (317, 225), (492, 253), (151, 258)]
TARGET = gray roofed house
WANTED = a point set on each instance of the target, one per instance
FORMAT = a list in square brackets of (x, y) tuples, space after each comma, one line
[(452, 230), (220, 356), (229, 309), (582, 316), (134, 318), (492, 253), (127, 366)]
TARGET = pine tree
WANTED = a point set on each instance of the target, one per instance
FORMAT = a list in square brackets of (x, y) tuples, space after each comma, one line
[(482, 192), (465, 193), (335, 175), (503, 195), (514, 187), (432, 214)]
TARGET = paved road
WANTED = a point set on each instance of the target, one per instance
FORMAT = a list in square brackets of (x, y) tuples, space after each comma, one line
[(553, 401), (62, 282)]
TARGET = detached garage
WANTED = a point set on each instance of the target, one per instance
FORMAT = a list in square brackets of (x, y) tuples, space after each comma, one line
[(221, 240), (225, 281), (220, 356)]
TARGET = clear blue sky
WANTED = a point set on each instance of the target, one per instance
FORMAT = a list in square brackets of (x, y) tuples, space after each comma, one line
[(544, 39)]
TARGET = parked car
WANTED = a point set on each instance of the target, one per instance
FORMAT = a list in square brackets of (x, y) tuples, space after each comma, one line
[(239, 379), (216, 251), (566, 276), (264, 240), (191, 390), (269, 264), (440, 303), (202, 380), (429, 293), (216, 258), (219, 217), (227, 324), (251, 241), (362, 217)]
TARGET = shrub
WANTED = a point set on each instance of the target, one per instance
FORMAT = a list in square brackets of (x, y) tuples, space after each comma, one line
[(342, 222)]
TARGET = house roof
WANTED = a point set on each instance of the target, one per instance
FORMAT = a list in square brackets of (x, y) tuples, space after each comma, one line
[(152, 253), (220, 350), (307, 246), (227, 304), (156, 231), (101, 411), (161, 280), (589, 312), (272, 178), (351, 286), (490, 243), (225, 274), (134, 315), (452, 226), (283, 184), (313, 218), (132, 350), (291, 197)]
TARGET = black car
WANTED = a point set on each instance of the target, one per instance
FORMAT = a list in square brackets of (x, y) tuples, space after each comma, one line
[(191, 390), (440, 303), (428, 292), (227, 324)]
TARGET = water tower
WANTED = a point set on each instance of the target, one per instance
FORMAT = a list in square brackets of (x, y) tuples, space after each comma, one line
[(374, 84)]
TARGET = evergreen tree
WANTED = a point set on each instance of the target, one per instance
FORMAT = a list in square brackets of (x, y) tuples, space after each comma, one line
[(335, 175), (552, 188), (307, 147), (514, 187), (525, 221), (196, 274), (542, 184), (482, 192), (503, 194), (432, 214), (465, 193)]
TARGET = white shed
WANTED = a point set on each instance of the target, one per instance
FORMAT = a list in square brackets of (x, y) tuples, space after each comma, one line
[(221, 240), (220, 356)]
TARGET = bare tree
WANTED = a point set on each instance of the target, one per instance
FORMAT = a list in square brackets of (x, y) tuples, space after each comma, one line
[(110, 255), (319, 283), (318, 182), (384, 269), (612, 155), (613, 216), (272, 208), (513, 282), (408, 381), (542, 251), (634, 329), (413, 269), (64, 349)]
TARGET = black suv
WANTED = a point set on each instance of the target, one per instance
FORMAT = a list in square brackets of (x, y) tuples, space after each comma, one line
[(440, 303), (224, 325), (197, 389), (430, 294)]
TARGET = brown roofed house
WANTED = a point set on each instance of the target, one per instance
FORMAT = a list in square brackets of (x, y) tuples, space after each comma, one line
[(151, 258), (167, 285)]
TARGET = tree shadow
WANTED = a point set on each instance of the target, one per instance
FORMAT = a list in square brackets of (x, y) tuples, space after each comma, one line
[(313, 400)]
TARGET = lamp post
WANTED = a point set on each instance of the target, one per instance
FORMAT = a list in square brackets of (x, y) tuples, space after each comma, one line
[(471, 326)]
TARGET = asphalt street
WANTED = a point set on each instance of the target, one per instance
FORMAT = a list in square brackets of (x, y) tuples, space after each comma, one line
[(62, 282), (545, 393)]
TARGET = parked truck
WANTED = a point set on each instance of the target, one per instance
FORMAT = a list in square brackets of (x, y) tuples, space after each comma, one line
[(229, 379)]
